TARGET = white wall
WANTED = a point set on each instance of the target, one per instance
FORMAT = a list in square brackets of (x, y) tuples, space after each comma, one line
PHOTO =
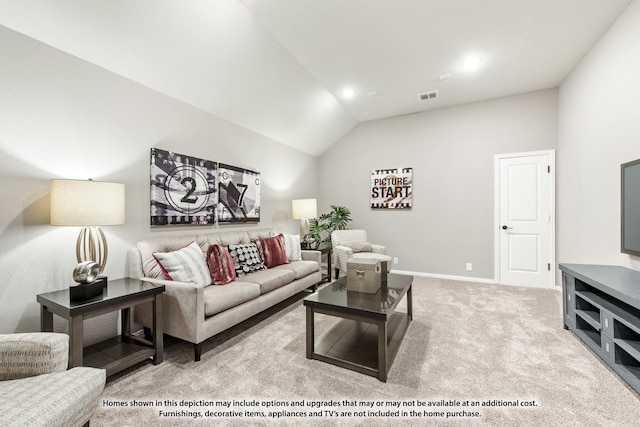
[(61, 117), (599, 129), (452, 154)]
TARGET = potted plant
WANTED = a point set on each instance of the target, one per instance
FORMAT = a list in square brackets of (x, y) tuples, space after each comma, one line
[(321, 228)]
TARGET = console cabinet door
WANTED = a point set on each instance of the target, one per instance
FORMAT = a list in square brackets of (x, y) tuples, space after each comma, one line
[(607, 349), (606, 319), (569, 301)]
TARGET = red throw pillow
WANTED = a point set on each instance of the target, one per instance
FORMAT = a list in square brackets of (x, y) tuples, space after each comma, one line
[(272, 251), (220, 265)]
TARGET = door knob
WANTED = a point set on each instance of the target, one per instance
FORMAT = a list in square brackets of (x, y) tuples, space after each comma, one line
[(504, 227)]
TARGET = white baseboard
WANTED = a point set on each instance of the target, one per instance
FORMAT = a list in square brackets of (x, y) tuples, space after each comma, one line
[(445, 276)]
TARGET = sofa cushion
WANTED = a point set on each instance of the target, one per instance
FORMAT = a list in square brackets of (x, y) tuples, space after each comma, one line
[(272, 250), (220, 265), (246, 259), (270, 279), (236, 237), (185, 265), (300, 268), (220, 298), (228, 238)]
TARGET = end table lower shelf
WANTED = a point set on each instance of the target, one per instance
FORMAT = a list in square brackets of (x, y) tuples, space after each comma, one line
[(118, 353)]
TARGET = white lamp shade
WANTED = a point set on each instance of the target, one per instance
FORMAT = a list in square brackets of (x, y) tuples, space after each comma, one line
[(86, 203), (304, 208)]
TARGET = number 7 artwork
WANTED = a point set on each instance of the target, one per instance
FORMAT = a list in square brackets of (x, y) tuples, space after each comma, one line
[(183, 189), (239, 195)]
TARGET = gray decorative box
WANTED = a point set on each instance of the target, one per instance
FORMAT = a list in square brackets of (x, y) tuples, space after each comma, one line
[(365, 275)]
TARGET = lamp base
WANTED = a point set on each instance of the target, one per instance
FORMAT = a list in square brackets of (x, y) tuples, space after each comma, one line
[(87, 291)]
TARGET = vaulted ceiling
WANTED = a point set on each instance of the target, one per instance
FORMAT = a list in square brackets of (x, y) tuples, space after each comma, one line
[(280, 67)]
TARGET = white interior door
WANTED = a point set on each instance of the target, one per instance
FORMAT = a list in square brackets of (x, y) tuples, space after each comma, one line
[(525, 219)]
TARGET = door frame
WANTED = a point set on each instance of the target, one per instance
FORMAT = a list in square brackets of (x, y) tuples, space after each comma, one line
[(496, 212)]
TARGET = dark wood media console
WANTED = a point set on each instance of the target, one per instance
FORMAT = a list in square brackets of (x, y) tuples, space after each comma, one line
[(602, 307)]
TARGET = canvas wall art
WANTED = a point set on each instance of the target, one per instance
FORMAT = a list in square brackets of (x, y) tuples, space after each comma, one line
[(183, 189), (392, 188), (238, 194)]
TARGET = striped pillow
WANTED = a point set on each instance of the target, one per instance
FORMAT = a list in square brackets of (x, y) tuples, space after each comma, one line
[(184, 265), (220, 265)]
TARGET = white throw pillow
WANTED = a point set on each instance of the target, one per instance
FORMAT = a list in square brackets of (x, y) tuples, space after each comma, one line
[(185, 265), (292, 247)]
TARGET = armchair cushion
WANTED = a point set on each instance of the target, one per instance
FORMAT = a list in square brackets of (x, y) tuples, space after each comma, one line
[(360, 246), (37, 388), (30, 354), (67, 398)]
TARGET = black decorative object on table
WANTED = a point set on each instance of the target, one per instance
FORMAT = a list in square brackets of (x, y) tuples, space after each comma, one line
[(89, 284)]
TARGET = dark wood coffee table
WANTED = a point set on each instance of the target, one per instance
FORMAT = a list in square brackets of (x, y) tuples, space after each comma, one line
[(369, 335)]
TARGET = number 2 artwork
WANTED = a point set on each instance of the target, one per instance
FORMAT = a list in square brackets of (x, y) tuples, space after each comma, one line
[(183, 189)]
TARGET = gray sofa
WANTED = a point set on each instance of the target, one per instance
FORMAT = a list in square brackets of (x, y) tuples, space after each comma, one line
[(195, 312), (36, 389)]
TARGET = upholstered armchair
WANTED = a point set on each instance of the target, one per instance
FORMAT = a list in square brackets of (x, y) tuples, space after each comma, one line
[(354, 244), (36, 389)]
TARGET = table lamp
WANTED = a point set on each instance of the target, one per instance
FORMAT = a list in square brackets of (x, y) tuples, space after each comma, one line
[(304, 210), (89, 204)]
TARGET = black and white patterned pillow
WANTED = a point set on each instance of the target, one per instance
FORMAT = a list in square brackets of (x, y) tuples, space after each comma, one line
[(246, 259)]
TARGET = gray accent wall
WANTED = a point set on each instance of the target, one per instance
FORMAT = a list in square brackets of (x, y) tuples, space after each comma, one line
[(599, 130), (452, 154), (62, 117)]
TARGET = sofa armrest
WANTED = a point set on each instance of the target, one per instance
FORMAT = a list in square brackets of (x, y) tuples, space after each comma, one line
[(311, 255), (182, 310), (343, 254), (378, 249), (30, 354), (134, 262)]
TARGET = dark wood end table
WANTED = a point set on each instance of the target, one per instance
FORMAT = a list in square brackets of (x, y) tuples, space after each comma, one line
[(114, 354)]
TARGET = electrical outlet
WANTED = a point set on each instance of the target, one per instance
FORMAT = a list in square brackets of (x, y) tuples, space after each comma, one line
[(395, 259), (469, 266)]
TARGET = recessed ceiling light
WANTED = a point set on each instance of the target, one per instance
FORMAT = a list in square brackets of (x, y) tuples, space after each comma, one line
[(472, 63), (348, 93)]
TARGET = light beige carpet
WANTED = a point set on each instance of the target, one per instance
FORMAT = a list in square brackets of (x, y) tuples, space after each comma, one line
[(468, 343)]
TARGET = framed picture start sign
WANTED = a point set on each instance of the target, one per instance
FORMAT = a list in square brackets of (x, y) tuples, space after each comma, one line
[(391, 188), (193, 191)]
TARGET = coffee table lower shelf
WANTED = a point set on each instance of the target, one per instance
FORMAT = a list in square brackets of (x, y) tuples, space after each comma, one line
[(353, 344)]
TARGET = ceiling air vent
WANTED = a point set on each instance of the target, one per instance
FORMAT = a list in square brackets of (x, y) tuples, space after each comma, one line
[(429, 95)]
